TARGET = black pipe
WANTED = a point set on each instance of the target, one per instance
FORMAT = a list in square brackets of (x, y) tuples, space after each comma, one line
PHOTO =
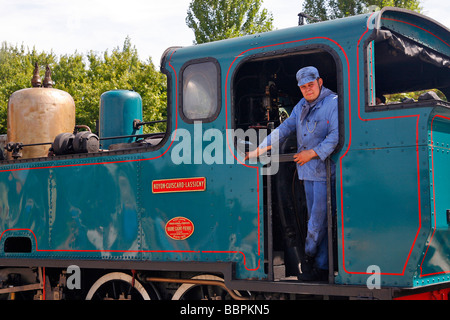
[(145, 135), (138, 123)]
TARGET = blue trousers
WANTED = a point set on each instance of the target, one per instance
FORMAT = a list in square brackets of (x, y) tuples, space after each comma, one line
[(316, 244)]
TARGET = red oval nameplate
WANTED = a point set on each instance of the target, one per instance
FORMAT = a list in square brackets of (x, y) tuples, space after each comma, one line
[(179, 228)]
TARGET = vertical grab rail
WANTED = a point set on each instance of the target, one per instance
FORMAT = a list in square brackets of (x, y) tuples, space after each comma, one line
[(330, 223)]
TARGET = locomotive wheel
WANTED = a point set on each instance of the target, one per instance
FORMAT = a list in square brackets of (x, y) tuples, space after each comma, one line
[(117, 286), (189, 291)]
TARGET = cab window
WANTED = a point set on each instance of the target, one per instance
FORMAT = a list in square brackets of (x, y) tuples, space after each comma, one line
[(402, 71), (200, 99)]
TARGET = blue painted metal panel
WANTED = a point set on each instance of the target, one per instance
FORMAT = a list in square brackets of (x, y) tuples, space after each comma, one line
[(118, 110), (434, 266)]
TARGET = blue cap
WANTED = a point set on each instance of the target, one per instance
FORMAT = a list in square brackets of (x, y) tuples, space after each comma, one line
[(307, 74)]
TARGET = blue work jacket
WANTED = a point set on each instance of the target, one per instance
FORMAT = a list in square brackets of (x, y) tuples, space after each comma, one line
[(319, 131)]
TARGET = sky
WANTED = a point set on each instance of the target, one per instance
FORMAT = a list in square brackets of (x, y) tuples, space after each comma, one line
[(68, 26)]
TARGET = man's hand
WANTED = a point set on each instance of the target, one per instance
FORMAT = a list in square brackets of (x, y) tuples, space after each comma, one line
[(256, 153), (305, 156)]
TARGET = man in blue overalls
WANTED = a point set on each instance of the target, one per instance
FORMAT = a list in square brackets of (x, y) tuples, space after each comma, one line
[(315, 121)]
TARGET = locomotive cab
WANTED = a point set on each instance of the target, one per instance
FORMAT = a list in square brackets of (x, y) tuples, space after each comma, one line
[(410, 70), (265, 92)]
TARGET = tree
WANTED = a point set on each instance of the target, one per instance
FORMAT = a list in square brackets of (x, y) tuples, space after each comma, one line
[(213, 20), (122, 69), (16, 71), (85, 78), (333, 9)]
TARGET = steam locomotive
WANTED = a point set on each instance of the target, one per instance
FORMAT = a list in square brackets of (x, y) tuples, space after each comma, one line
[(180, 214)]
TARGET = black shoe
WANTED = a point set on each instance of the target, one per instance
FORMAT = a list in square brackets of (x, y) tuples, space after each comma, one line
[(322, 274), (306, 277), (309, 273), (317, 275), (306, 270)]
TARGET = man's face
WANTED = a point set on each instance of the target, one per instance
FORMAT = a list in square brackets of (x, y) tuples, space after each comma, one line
[(311, 90)]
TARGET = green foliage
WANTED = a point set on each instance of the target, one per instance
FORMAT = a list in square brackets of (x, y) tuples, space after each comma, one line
[(333, 9), (85, 78), (213, 20), (16, 71), (414, 95)]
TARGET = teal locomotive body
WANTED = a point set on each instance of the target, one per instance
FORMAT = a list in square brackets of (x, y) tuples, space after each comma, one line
[(186, 201)]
